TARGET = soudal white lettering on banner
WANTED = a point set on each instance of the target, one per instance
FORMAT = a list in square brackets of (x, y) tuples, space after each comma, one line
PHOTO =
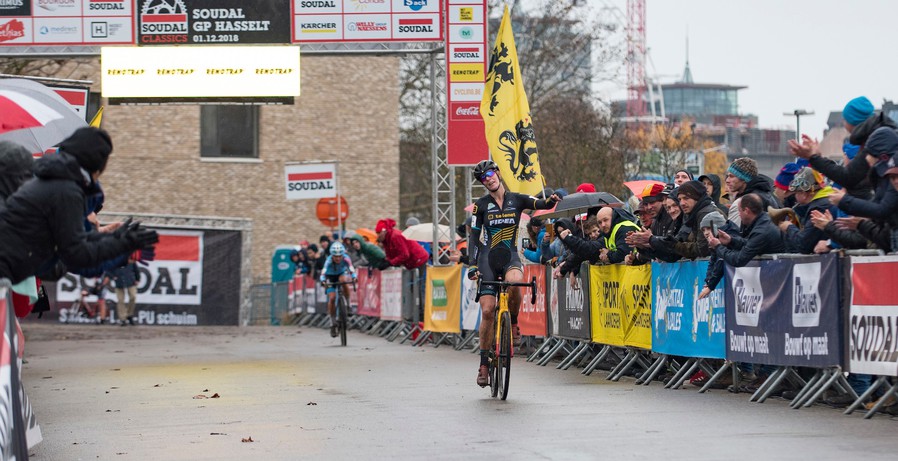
[(218, 13)]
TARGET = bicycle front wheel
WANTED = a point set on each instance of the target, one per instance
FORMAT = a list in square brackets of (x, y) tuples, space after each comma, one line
[(504, 364), (342, 306)]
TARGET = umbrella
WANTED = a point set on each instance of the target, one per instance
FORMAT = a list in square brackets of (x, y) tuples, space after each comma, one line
[(366, 233), (469, 208), (639, 185), (581, 202), (424, 232), (544, 212), (35, 116)]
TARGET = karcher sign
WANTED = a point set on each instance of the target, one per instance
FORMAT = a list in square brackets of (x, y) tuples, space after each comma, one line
[(317, 180), (198, 72)]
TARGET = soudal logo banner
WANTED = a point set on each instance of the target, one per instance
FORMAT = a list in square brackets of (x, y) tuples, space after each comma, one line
[(310, 181), (873, 316), (784, 312), (175, 277), (416, 26)]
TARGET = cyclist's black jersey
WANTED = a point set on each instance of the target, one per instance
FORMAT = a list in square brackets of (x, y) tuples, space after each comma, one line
[(492, 226)]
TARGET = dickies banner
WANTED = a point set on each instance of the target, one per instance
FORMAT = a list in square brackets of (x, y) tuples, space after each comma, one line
[(784, 312), (873, 316), (682, 324), (194, 280)]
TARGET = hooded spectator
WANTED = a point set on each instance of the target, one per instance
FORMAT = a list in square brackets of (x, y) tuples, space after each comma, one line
[(43, 219), (536, 232), (712, 187), (811, 194), (371, 252), (682, 176), (743, 178), (16, 167), (758, 235), (398, 250)]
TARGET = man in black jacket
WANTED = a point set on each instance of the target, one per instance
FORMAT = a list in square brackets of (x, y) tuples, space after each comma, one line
[(759, 235), (811, 194), (43, 220)]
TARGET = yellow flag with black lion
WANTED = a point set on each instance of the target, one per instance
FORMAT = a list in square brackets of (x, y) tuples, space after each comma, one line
[(506, 115)]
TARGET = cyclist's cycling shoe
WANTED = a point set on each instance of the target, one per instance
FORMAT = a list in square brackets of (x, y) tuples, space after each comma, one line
[(515, 335), (483, 376), (333, 331)]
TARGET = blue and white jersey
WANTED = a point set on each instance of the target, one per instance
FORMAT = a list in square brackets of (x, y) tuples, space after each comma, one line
[(332, 268)]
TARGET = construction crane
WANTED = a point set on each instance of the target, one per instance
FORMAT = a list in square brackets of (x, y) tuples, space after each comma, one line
[(636, 52)]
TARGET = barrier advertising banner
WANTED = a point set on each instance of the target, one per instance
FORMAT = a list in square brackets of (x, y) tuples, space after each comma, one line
[(790, 316), (369, 293), (532, 317), (621, 305), (873, 316), (391, 294), (194, 280), (442, 299), (681, 324), (569, 306), (470, 310)]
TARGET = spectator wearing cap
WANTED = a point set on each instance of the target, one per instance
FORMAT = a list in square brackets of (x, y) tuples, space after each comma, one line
[(811, 194), (758, 235), (781, 184), (742, 178), (696, 204), (861, 120), (663, 225), (586, 187), (681, 176), (712, 187), (399, 250), (880, 149), (710, 225)]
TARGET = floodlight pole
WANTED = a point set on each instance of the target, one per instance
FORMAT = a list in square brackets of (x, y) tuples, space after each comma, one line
[(798, 113)]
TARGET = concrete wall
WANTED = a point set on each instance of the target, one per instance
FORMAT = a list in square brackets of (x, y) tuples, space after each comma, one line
[(348, 112)]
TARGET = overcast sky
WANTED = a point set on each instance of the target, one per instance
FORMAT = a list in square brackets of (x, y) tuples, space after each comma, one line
[(791, 54)]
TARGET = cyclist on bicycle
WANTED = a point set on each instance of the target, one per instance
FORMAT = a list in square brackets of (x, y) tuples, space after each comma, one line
[(335, 270), (494, 228)]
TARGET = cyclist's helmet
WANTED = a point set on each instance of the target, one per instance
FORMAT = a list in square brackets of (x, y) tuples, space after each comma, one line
[(483, 167), (337, 249)]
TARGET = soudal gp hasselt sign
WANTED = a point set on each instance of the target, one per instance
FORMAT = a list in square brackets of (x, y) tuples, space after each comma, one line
[(173, 22), (311, 181)]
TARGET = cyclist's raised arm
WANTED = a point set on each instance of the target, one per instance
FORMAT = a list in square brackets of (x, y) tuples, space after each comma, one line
[(549, 202), (475, 247)]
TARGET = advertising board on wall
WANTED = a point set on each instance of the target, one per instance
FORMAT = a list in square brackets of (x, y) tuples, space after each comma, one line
[(305, 181)]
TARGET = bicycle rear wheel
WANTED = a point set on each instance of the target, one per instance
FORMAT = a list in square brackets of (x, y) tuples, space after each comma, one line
[(342, 306), (504, 363)]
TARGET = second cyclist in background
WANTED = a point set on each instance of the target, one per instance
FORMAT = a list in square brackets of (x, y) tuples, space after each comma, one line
[(337, 268)]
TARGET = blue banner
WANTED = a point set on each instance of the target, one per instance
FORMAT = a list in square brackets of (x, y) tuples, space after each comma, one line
[(784, 312), (681, 323)]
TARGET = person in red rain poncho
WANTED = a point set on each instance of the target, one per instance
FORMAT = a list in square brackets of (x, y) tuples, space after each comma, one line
[(400, 251)]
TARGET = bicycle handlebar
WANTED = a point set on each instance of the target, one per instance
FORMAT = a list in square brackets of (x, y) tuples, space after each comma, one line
[(334, 284), (502, 284)]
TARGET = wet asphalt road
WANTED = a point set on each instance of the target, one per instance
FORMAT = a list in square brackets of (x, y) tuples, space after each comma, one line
[(114, 393)]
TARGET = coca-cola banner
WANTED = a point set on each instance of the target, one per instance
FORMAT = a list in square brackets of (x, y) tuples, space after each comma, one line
[(873, 316), (784, 312)]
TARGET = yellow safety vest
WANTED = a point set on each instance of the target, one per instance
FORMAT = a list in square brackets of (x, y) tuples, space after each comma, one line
[(609, 241)]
